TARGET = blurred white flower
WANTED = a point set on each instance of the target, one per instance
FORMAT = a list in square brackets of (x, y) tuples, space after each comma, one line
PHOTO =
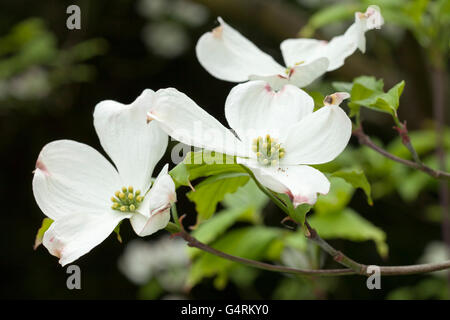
[(167, 39), (165, 259), (153, 8), (191, 13), (436, 252), (32, 84)]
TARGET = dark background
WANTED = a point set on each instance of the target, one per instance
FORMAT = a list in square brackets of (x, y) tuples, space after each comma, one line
[(127, 68)]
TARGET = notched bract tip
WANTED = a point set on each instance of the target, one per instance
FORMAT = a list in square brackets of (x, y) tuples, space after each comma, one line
[(335, 99)]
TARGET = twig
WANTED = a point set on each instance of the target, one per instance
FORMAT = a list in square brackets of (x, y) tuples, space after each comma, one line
[(365, 140), (192, 242), (384, 270), (338, 256)]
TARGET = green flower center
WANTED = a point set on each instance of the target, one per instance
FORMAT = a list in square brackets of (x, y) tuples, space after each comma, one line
[(268, 150), (126, 200)]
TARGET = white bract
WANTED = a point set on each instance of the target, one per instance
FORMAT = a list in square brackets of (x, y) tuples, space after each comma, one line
[(87, 197), (277, 133), (228, 55)]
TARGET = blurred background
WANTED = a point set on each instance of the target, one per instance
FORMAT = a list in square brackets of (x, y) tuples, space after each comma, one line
[(51, 79)]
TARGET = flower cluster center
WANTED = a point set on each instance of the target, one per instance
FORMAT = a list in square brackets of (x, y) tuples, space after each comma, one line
[(126, 199), (268, 150)]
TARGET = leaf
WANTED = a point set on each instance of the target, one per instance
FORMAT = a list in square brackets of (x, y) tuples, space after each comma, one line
[(357, 179), (202, 164), (347, 224), (247, 196), (368, 92), (117, 231), (248, 242), (339, 196), (318, 99), (211, 191), (297, 214), (342, 86), (46, 223), (213, 228)]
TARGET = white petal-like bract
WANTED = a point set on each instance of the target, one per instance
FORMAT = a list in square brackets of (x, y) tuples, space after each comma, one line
[(228, 55), (154, 213), (71, 176), (133, 145), (318, 138), (254, 109), (301, 183), (186, 122)]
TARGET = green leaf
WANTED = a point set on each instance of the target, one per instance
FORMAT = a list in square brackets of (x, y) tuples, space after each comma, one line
[(247, 196), (46, 223), (211, 191), (202, 164), (211, 229), (297, 214), (337, 199), (249, 242), (347, 224), (117, 232), (357, 179), (342, 86), (368, 92), (318, 99)]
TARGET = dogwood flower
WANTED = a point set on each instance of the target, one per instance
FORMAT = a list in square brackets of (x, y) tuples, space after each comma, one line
[(277, 133), (228, 55), (87, 197)]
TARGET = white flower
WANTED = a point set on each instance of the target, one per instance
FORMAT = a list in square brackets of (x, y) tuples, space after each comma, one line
[(166, 259), (87, 196), (279, 135), (228, 55)]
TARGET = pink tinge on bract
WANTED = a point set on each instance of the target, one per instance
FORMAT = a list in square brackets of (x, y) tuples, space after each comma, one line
[(217, 32), (41, 166), (55, 247), (299, 199)]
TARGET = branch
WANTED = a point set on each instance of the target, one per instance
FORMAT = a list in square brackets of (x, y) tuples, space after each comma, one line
[(365, 140), (338, 256), (192, 242), (384, 270)]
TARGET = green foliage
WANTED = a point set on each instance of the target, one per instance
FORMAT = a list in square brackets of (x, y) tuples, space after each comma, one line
[(330, 14), (247, 196), (347, 224), (428, 288), (428, 21), (332, 218), (318, 99), (46, 223), (213, 228), (211, 191), (29, 54), (339, 196), (203, 164), (368, 92), (357, 179), (244, 205)]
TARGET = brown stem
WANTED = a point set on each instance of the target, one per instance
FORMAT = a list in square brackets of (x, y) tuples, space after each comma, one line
[(384, 270), (338, 256), (365, 140), (192, 242)]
